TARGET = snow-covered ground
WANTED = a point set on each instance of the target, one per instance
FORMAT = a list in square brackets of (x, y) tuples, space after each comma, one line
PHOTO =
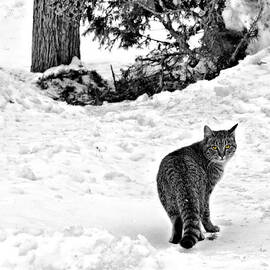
[(77, 188), (77, 185)]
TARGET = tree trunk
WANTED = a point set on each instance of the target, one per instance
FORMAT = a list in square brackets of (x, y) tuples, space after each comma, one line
[(55, 38)]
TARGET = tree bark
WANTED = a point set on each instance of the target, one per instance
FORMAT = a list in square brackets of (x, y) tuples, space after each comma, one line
[(55, 38)]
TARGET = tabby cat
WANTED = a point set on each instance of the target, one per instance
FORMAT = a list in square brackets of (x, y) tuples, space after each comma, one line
[(186, 179)]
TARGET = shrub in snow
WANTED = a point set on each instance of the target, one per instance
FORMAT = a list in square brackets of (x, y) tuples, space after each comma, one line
[(193, 43), (74, 84)]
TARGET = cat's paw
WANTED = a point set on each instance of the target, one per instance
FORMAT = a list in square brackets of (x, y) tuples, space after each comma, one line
[(212, 229)]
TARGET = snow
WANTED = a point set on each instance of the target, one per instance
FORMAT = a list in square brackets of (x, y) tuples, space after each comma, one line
[(75, 64), (77, 184)]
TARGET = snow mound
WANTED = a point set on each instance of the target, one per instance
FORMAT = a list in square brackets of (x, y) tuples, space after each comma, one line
[(74, 84), (18, 88), (91, 249), (76, 64)]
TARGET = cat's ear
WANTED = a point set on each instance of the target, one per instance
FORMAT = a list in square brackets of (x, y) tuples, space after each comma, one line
[(207, 132), (232, 130)]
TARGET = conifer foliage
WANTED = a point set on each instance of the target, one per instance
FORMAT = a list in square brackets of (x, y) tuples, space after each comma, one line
[(173, 63)]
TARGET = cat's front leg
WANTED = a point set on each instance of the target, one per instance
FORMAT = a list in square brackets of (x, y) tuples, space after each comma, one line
[(207, 224)]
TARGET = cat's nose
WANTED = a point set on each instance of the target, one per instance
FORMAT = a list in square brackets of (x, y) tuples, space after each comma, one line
[(221, 154), (222, 157)]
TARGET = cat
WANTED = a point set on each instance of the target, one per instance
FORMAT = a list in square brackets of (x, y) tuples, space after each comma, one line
[(186, 179)]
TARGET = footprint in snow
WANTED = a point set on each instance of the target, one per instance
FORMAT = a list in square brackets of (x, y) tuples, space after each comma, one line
[(126, 147), (27, 173), (27, 246), (3, 235), (137, 157), (16, 190), (116, 176), (225, 222)]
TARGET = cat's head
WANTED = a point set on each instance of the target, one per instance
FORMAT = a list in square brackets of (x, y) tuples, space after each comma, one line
[(219, 146)]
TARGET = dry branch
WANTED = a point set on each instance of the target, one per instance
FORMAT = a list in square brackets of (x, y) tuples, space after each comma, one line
[(251, 30)]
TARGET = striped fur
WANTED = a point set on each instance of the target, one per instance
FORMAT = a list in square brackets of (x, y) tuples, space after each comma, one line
[(185, 180)]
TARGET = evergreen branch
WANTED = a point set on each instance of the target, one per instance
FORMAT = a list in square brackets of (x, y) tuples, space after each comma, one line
[(156, 40), (161, 57), (165, 19), (154, 12)]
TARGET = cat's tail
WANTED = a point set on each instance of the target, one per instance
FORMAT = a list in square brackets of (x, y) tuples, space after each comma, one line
[(191, 229)]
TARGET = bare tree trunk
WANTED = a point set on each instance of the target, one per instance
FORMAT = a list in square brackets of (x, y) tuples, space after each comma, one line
[(55, 38)]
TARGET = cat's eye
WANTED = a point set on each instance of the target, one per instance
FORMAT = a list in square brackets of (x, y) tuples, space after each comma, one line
[(214, 147), (227, 146)]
